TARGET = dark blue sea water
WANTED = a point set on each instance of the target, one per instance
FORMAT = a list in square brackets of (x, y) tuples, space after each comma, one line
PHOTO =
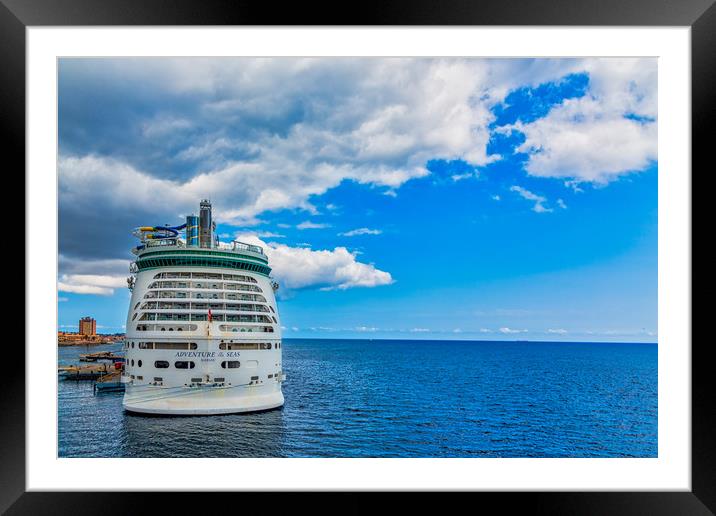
[(360, 398)]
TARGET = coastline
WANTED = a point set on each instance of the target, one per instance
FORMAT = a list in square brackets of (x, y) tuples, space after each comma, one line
[(63, 344)]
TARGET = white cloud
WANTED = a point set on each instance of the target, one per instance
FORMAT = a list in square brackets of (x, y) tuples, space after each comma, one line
[(610, 131), (365, 328), (420, 330), (539, 201), (558, 331), (311, 225), (90, 284), (460, 177), (510, 330), (561, 204), (361, 231), (62, 299), (298, 267), (376, 122), (373, 121), (495, 197)]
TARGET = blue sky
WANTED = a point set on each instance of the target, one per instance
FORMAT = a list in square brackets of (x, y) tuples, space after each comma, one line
[(396, 198)]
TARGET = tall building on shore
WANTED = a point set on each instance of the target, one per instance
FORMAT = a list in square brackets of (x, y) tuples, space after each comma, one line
[(88, 326)]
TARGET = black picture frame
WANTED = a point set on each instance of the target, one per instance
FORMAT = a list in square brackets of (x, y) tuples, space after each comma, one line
[(700, 15)]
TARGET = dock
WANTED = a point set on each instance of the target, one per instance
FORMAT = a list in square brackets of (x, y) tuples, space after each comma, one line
[(100, 355), (86, 372)]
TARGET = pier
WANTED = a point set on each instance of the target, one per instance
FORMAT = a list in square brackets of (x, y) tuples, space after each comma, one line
[(100, 355)]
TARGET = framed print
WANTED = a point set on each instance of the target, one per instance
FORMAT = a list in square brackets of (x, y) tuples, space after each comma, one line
[(421, 248)]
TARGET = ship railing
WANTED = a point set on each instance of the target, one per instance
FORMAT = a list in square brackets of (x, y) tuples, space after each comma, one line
[(242, 246)]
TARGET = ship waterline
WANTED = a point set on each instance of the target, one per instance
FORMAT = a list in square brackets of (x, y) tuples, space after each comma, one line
[(203, 330)]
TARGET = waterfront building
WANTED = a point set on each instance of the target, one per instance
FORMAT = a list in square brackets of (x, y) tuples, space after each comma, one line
[(88, 326)]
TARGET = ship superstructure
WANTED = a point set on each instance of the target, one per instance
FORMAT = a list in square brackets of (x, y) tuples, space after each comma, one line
[(203, 334)]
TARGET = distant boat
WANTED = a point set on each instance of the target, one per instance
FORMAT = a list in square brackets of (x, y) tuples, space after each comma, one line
[(111, 382)]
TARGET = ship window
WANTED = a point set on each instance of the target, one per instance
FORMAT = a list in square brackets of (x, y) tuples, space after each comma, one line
[(132, 362), (183, 364), (139, 378), (158, 379), (139, 363), (265, 345), (231, 364), (238, 345), (196, 380), (134, 316), (270, 376), (175, 345), (271, 307), (219, 379), (254, 377), (135, 306), (161, 364)]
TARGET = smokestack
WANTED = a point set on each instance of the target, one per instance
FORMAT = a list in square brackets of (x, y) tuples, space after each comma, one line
[(205, 224)]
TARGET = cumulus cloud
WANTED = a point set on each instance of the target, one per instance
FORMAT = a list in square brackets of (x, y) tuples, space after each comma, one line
[(361, 231), (257, 135), (539, 201), (300, 267), (610, 131), (90, 284), (269, 134)]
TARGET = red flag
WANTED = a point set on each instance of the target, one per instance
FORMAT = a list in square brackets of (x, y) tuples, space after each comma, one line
[(209, 314)]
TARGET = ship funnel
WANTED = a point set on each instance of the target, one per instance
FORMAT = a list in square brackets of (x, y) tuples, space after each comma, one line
[(205, 224)]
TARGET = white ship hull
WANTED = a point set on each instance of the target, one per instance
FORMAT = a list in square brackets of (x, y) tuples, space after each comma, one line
[(180, 363)]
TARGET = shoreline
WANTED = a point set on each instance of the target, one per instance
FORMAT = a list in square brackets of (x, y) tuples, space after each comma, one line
[(87, 343)]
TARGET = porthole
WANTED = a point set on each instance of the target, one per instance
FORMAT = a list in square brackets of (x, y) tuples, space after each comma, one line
[(161, 364), (183, 364), (231, 364), (132, 362), (139, 363)]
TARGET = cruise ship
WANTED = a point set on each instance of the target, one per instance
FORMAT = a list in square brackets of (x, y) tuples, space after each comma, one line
[(203, 334)]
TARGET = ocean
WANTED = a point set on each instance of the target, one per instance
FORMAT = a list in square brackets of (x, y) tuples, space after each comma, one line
[(401, 398)]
